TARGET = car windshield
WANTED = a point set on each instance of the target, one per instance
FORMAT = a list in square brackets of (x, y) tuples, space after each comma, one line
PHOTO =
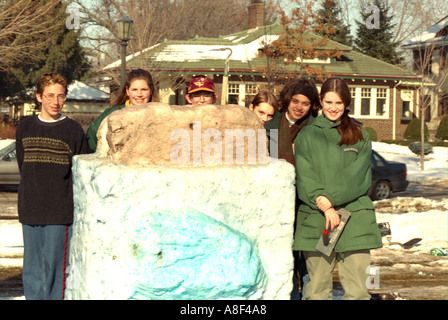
[(5, 146)]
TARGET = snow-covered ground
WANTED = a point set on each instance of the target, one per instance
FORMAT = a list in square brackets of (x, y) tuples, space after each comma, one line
[(5, 142), (435, 164), (420, 218)]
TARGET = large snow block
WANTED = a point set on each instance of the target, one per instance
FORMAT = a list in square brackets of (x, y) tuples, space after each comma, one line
[(161, 232)]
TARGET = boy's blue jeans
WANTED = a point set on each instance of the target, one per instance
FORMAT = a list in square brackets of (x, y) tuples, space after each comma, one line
[(45, 259)]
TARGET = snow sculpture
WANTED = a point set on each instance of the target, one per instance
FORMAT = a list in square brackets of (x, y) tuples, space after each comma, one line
[(148, 228)]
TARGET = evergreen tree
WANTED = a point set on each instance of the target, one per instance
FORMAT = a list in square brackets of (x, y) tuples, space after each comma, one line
[(329, 15), (377, 42)]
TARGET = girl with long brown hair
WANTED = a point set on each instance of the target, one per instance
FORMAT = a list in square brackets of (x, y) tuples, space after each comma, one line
[(333, 171), (139, 89)]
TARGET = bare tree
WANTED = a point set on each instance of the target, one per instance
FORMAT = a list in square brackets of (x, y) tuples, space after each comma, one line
[(100, 24), (25, 27), (155, 21), (415, 16), (299, 42)]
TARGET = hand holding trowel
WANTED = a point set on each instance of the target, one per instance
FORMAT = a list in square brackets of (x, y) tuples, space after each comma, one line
[(330, 237)]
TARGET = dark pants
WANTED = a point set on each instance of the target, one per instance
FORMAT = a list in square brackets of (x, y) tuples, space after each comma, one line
[(300, 276)]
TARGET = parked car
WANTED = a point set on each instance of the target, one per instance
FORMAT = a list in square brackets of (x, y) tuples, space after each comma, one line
[(9, 170), (387, 177)]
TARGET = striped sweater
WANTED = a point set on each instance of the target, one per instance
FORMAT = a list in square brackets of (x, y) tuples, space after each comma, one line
[(44, 155)]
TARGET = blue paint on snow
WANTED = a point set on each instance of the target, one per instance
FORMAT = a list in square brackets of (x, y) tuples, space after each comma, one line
[(189, 255)]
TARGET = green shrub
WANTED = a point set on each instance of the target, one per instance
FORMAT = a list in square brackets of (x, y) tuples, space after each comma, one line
[(372, 133), (442, 130), (413, 129), (416, 147)]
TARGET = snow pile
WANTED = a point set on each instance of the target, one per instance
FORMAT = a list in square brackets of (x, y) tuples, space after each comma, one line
[(417, 217), (431, 226), (11, 244), (405, 205)]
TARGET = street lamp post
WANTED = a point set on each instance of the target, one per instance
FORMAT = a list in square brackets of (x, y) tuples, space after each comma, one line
[(124, 34)]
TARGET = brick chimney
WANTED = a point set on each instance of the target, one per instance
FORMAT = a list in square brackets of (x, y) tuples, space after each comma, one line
[(256, 14)]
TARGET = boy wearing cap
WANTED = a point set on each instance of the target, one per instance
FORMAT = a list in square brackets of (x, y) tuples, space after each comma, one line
[(201, 90)]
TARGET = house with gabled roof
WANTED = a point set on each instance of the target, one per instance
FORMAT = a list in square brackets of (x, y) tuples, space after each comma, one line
[(384, 96), (429, 53)]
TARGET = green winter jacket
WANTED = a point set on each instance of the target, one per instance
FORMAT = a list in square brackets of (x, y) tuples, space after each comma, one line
[(93, 129), (343, 175)]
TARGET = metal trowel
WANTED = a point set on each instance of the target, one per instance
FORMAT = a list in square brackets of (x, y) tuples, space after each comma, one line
[(329, 238)]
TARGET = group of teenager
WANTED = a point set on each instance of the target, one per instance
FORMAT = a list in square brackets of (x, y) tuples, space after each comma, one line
[(331, 153), (329, 150)]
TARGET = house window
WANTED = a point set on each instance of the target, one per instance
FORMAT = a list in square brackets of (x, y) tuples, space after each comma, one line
[(365, 101), (251, 92), (352, 103), (443, 60), (422, 61), (381, 99), (406, 105), (406, 109), (369, 102), (241, 93), (233, 94), (443, 101)]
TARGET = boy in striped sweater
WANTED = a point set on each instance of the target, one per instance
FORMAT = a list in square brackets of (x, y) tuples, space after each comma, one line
[(45, 145)]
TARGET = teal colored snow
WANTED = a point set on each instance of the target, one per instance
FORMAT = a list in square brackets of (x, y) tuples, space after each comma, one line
[(189, 255)]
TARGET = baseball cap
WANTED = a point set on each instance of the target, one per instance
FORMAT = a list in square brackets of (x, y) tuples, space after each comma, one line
[(201, 83)]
